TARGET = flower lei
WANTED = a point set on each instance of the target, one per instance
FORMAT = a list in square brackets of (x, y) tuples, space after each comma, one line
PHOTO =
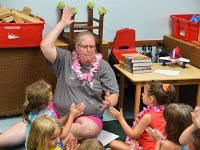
[(77, 67), (139, 116)]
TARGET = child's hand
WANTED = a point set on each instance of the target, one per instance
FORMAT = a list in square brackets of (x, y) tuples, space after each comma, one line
[(155, 134), (115, 113), (72, 144), (196, 119), (197, 111), (76, 110)]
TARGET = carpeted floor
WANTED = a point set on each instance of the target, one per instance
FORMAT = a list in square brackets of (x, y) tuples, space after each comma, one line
[(114, 127)]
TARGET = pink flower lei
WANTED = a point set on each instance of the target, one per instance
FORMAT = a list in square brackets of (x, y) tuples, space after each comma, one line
[(77, 67), (139, 116), (145, 109)]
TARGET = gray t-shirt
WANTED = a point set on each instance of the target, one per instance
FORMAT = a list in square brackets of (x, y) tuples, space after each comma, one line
[(70, 89)]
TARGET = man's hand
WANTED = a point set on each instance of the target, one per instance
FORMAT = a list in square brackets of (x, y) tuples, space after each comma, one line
[(106, 102), (66, 16)]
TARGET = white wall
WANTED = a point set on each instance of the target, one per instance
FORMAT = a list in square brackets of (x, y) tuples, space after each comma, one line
[(150, 18)]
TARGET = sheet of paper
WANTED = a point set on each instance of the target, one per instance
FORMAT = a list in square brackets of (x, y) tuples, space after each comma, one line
[(106, 137), (167, 72)]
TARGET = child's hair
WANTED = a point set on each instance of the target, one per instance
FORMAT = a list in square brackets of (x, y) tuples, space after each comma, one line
[(177, 118), (37, 97), (163, 93), (91, 144), (196, 139), (42, 128)]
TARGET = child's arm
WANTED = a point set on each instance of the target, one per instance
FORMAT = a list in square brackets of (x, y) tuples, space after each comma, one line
[(63, 120), (186, 136), (134, 133), (75, 111)]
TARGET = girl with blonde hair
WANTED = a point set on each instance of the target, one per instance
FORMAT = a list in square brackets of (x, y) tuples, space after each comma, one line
[(44, 134)]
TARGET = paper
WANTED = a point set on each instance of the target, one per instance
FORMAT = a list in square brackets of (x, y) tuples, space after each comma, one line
[(106, 137), (167, 72)]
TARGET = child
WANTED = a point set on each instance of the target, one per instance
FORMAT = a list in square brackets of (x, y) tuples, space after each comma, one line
[(156, 94), (44, 134), (91, 144), (88, 144), (177, 119), (195, 144), (191, 135), (37, 98)]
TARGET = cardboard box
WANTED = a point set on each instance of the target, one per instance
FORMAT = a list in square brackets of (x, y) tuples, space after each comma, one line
[(15, 35)]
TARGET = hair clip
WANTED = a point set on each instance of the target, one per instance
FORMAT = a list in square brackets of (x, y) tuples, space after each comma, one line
[(166, 87), (26, 102)]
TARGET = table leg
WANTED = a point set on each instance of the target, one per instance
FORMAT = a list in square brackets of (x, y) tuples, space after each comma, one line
[(121, 98), (105, 48), (198, 95), (137, 98), (177, 87)]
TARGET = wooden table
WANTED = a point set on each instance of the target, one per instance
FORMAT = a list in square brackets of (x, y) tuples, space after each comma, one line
[(188, 75)]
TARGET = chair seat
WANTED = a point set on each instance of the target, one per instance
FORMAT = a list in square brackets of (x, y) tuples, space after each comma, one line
[(124, 42)]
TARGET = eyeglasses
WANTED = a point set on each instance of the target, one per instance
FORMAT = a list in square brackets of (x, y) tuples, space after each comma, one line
[(87, 46)]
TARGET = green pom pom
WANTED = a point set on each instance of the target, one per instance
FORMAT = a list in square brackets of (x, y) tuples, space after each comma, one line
[(91, 5), (102, 11), (61, 5), (74, 11), (105, 10)]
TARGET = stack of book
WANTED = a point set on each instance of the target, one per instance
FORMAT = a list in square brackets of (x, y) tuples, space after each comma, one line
[(136, 63)]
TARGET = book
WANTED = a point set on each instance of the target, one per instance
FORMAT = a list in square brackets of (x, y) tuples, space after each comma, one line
[(142, 64), (135, 57), (142, 71), (106, 137), (149, 70), (130, 67), (121, 64), (141, 68)]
